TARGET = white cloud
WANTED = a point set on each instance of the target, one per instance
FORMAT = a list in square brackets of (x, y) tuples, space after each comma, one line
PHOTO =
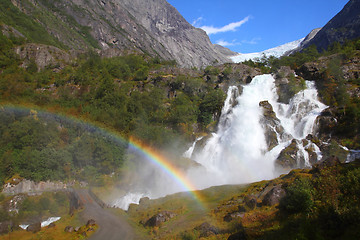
[(227, 28), (197, 21), (226, 43), (252, 41)]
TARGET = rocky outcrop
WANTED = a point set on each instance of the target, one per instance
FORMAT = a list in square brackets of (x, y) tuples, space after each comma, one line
[(271, 124), (287, 158), (235, 74), (27, 186), (285, 83), (327, 122), (344, 26), (305, 42), (43, 55), (158, 219)]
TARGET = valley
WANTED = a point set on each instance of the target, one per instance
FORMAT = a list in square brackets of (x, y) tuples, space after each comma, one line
[(120, 120)]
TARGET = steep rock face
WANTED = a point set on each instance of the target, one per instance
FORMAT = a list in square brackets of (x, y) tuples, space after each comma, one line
[(189, 46), (43, 55), (344, 26), (116, 27), (305, 42)]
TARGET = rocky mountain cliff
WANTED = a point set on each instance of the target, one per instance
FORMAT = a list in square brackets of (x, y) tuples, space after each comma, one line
[(117, 27), (344, 26)]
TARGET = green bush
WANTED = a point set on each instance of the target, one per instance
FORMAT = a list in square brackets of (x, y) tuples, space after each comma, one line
[(298, 197)]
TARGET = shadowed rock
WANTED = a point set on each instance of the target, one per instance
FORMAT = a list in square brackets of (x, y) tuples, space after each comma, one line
[(274, 196), (207, 230), (35, 227), (159, 218)]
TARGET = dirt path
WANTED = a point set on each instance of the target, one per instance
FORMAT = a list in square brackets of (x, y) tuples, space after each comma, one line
[(110, 226)]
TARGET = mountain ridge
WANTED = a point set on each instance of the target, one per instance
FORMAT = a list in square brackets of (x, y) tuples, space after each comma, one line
[(153, 28), (344, 26)]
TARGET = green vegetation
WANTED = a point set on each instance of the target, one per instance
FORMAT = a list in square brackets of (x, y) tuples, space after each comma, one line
[(117, 93), (30, 28), (298, 198), (42, 147)]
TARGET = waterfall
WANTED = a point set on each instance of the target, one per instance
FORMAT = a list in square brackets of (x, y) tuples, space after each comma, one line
[(238, 151)]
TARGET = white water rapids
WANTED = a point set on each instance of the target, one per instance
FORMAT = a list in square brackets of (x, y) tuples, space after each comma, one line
[(238, 152)]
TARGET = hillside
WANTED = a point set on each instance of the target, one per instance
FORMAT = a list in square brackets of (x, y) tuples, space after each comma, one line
[(344, 26), (115, 28)]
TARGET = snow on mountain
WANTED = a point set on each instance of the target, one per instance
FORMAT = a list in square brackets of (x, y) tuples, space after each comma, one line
[(276, 52)]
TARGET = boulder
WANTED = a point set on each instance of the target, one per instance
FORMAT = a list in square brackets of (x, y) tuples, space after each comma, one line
[(69, 229), (207, 230), (288, 159), (327, 122), (34, 227), (159, 218), (274, 196), (90, 223)]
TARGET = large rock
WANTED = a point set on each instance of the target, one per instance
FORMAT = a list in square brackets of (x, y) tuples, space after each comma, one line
[(271, 124), (160, 218), (327, 122), (287, 158), (274, 196), (34, 227), (207, 230), (69, 229)]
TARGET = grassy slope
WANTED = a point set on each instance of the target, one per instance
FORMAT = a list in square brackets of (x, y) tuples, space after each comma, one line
[(265, 222)]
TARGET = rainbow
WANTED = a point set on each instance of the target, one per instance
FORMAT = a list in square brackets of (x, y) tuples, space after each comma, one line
[(149, 153), (165, 165)]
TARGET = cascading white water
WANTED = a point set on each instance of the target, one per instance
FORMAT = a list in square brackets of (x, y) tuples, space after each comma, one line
[(190, 151), (238, 151)]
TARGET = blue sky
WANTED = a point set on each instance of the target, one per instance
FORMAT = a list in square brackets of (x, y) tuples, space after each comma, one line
[(255, 25)]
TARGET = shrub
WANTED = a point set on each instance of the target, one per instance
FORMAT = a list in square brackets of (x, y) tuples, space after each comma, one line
[(298, 197)]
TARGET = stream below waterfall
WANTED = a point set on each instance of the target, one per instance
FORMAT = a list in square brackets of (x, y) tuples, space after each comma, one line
[(239, 152)]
